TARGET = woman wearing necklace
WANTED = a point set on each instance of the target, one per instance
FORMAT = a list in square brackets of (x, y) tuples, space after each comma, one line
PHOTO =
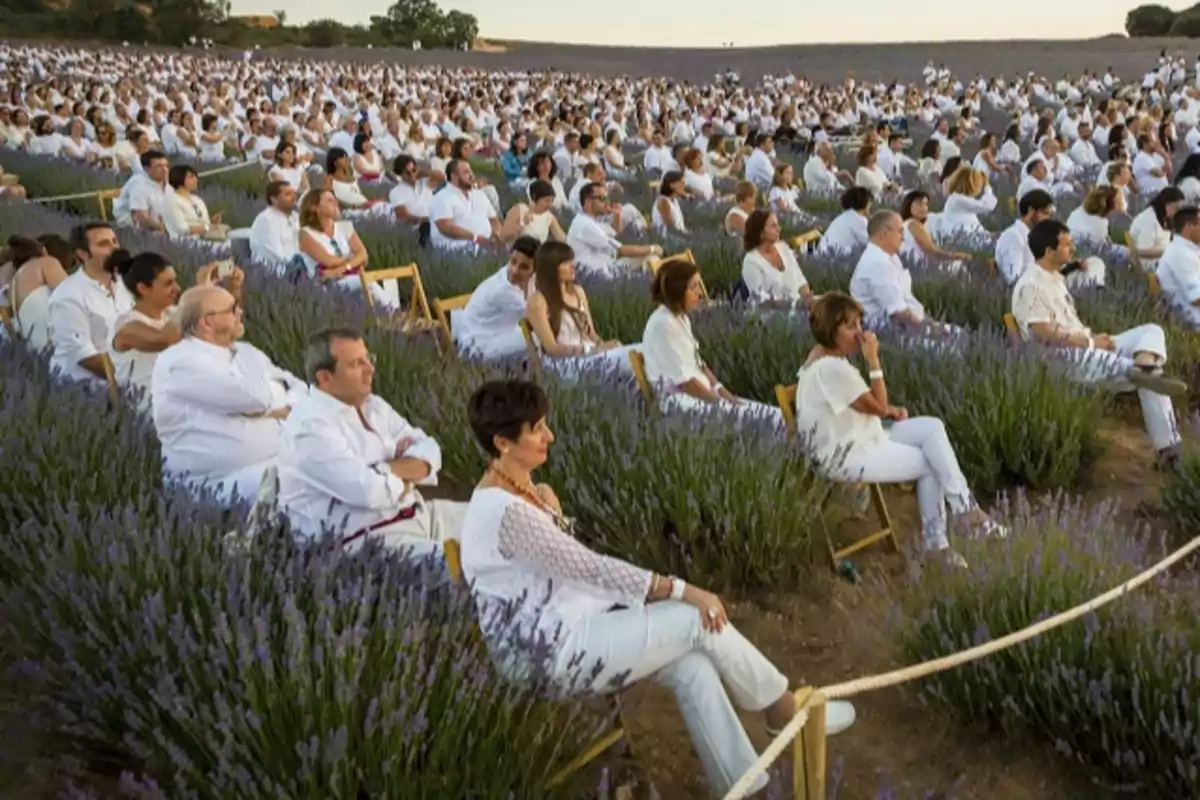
[(609, 623), (769, 267)]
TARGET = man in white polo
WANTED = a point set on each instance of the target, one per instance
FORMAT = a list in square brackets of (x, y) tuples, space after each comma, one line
[(595, 242), (460, 216)]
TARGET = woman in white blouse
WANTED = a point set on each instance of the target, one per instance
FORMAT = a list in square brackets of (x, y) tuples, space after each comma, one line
[(784, 195), (930, 167), (210, 140), (517, 540), (331, 249), (869, 175), (340, 179), (716, 162), (614, 159), (667, 216), (968, 196), (842, 418), (45, 141), (74, 146), (745, 198), (696, 181), (542, 168), (535, 218), (918, 243), (1151, 229), (987, 160), (1090, 220), (41, 265), (1188, 179), (1010, 151), (769, 268), (103, 151), (848, 231), (672, 354), (185, 212), (367, 163), (560, 315), (287, 169)]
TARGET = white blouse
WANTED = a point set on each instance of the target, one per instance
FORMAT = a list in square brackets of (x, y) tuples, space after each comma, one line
[(783, 200), (184, 212), (699, 184), (660, 224), (847, 233), (740, 214), (133, 367), (961, 213), (671, 351), (873, 179), (1147, 234), (766, 282), (1087, 226), (825, 392)]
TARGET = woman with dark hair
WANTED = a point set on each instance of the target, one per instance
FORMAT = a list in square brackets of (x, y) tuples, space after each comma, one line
[(769, 268), (667, 216), (559, 313), (339, 179), (534, 218), (608, 623), (614, 159), (842, 417), (35, 274), (515, 160), (1188, 179), (930, 166), (672, 354), (140, 334), (918, 242), (332, 251), (367, 163), (1010, 149), (1151, 229), (847, 233), (186, 213), (543, 168)]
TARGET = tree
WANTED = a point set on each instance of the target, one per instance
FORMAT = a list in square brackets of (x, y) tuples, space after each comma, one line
[(1149, 20), (459, 28), (1187, 23), (325, 33), (281, 15), (415, 20)]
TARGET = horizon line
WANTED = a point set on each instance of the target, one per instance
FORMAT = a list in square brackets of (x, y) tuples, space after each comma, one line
[(500, 40)]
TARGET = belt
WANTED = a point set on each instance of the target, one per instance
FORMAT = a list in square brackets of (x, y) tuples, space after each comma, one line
[(405, 513)]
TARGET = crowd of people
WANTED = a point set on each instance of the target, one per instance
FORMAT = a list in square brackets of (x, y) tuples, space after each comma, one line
[(346, 463)]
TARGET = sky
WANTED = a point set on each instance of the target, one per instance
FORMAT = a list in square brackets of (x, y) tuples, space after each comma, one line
[(711, 23)]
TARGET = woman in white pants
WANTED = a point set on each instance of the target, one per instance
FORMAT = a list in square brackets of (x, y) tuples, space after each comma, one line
[(673, 362), (608, 622), (843, 417)]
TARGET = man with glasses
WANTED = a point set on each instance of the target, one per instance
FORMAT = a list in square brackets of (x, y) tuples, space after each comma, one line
[(595, 242), (350, 465), (219, 402), (412, 195), (489, 325)]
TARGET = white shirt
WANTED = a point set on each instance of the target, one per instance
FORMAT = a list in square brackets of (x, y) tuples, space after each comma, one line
[(766, 282), (825, 391), (820, 178), (471, 211), (140, 193), (961, 213), (595, 243), (1042, 296), (275, 237), (202, 394), (759, 169), (1083, 153), (181, 213), (333, 470), (82, 313), (1179, 275), (845, 234), (670, 349), (133, 367), (1013, 255), (415, 199), (1087, 226), (495, 310), (1147, 234), (1143, 163), (883, 286)]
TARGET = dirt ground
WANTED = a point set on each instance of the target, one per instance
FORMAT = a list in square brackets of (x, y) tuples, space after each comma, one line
[(819, 62)]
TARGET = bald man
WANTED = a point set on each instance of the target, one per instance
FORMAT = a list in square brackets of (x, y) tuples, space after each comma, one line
[(219, 402)]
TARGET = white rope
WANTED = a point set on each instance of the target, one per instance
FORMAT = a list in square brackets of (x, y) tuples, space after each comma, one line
[(94, 192)]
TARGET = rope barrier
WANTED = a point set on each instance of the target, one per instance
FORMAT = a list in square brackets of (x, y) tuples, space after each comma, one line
[(85, 195), (904, 675)]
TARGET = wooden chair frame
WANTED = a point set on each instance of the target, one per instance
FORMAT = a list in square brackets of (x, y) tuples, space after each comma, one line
[(654, 262), (786, 397), (638, 362), (532, 353), (1135, 258), (110, 376), (806, 239), (418, 310), (442, 309), (453, 553), (102, 198), (1154, 285), (6, 320)]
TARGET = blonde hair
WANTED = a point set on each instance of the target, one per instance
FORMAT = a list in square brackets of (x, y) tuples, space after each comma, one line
[(865, 152), (966, 180), (780, 171), (745, 190), (1100, 200)]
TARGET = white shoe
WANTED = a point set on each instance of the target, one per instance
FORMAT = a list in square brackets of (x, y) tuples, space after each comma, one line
[(839, 715)]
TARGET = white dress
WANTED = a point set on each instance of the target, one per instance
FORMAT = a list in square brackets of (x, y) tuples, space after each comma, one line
[(569, 335), (33, 318), (765, 282), (660, 225), (386, 293), (133, 367)]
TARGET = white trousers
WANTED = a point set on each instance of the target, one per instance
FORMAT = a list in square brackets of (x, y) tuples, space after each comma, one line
[(496, 345), (434, 522), (666, 641), (571, 367), (1094, 366), (917, 450), (245, 482), (385, 294), (747, 409)]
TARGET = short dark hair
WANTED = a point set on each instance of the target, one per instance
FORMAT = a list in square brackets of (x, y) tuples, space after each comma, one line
[(134, 271), (79, 235), (178, 175), (318, 351), (671, 177), (911, 199), (401, 163), (505, 408), (1165, 197), (671, 282), (756, 222), (526, 246), (1185, 217), (1036, 200), (539, 190), (150, 156), (587, 192), (1044, 236), (856, 198), (829, 313), (275, 188)]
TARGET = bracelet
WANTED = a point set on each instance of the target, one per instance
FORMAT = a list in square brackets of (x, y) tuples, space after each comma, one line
[(1091, 344), (677, 587), (875, 374)]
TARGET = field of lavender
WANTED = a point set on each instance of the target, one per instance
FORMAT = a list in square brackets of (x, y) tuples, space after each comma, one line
[(154, 657)]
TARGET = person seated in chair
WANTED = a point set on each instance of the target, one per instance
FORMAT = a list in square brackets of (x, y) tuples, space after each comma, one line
[(489, 325), (608, 623), (350, 465), (842, 416), (1179, 268), (1129, 361)]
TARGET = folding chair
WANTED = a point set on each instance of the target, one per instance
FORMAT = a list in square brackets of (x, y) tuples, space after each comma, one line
[(6, 319), (786, 397), (453, 554), (417, 317), (1155, 286), (1134, 258), (638, 362), (808, 240), (110, 375), (103, 197), (654, 262), (442, 309), (1011, 328), (532, 353)]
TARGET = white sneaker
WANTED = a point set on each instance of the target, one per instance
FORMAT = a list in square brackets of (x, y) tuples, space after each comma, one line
[(839, 715)]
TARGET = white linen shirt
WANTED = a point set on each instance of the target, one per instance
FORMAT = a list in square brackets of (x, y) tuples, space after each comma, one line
[(81, 314), (595, 243), (140, 193), (333, 470), (825, 391), (1013, 255), (766, 282), (1042, 296), (465, 210), (202, 394), (670, 349), (1179, 276), (415, 199), (495, 310), (275, 237), (845, 234), (883, 287)]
